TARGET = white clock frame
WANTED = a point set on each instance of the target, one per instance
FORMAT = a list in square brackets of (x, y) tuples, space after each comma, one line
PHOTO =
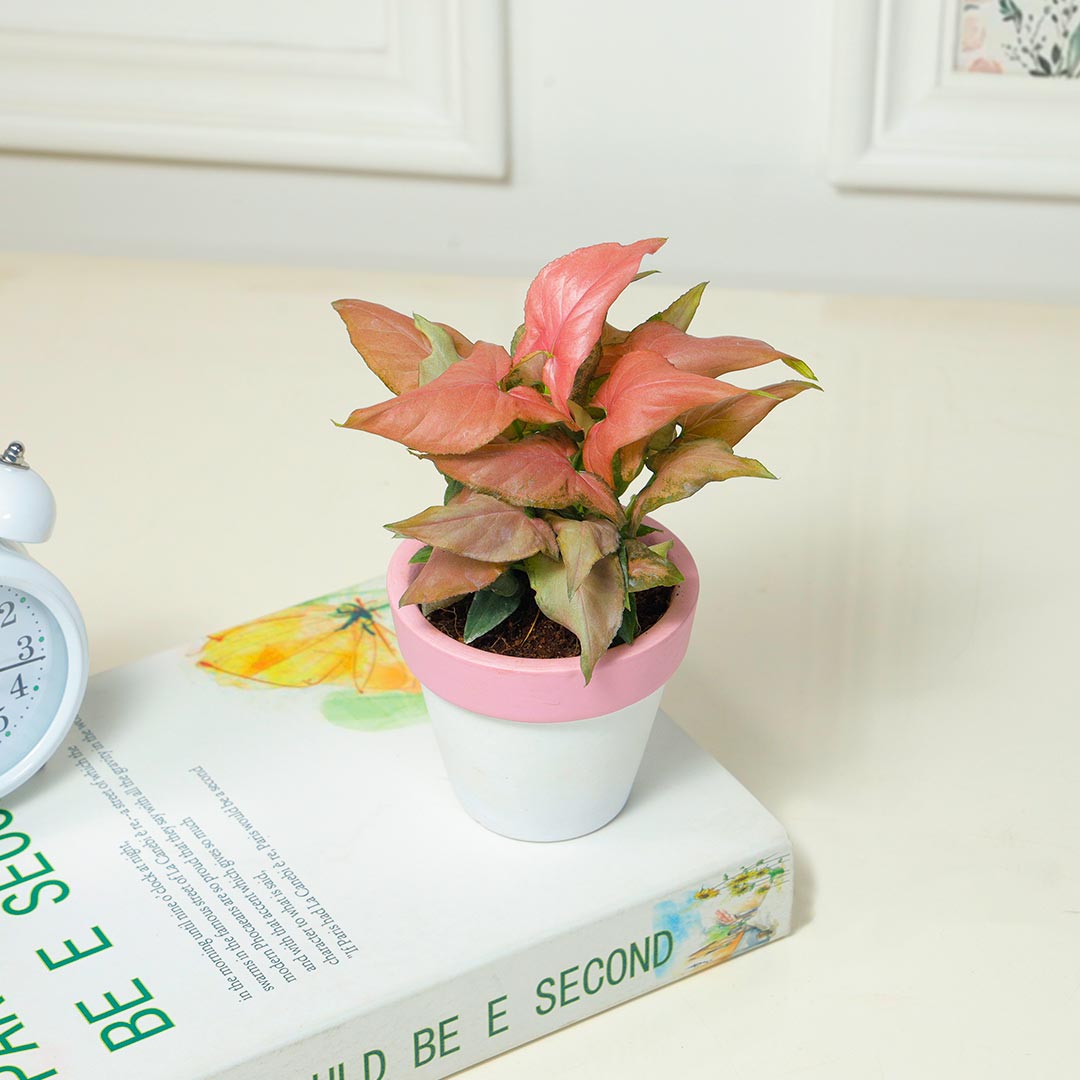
[(20, 570)]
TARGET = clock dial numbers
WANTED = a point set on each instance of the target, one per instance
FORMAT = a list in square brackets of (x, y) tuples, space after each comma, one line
[(33, 672)]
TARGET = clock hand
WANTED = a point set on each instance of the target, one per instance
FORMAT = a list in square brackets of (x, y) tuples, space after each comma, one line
[(19, 663)]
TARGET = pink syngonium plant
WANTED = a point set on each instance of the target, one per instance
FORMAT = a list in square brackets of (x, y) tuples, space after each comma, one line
[(540, 444)]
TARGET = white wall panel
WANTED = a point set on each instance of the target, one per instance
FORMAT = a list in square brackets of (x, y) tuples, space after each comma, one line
[(417, 87), (704, 121), (325, 24)]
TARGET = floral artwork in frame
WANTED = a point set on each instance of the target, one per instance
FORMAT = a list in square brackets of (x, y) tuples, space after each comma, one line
[(1036, 38)]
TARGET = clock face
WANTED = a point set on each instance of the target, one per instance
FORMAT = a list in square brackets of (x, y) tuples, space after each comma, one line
[(33, 672)]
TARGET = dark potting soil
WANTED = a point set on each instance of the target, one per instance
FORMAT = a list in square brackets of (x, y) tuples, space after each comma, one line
[(529, 632)]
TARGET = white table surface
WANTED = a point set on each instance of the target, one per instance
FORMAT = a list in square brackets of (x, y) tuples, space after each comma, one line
[(886, 649)]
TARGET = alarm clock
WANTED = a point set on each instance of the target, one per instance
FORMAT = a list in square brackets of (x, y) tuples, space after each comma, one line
[(43, 654)]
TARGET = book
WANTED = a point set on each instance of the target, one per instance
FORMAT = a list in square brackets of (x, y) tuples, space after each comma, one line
[(247, 863)]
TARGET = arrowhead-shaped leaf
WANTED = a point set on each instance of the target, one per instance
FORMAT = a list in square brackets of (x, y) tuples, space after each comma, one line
[(445, 575), (442, 355), (534, 471), (594, 613), (390, 342), (480, 527), (681, 312), (460, 410), (643, 394), (582, 545), (567, 303), (649, 568), (702, 356), (731, 420), (487, 610), (688, 467)]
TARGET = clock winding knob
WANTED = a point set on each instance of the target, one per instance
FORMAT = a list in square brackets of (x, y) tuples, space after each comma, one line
[(14, 455), (27, 506)]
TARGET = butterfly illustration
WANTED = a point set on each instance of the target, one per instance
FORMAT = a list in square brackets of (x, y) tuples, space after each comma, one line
[(333, 641)]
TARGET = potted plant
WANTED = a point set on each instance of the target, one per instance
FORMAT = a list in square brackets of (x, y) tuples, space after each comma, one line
[(540, 607)]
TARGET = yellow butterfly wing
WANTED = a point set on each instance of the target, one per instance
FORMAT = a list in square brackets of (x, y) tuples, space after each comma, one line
[(301, 646), (378, 667), (313, 644)]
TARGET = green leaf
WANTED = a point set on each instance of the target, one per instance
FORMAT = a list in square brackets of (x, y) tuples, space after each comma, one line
[(422, 555), (487, 610), (801, 366), (442, 354), (509, 584), (681, 312), (643, 274), (624, 569), (1072, 56), (630, 626), (1010, 12), (390, 342), (594, 613), (453, 488)]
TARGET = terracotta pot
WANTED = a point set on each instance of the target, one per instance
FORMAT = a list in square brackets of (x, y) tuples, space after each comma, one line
[(531, 751)]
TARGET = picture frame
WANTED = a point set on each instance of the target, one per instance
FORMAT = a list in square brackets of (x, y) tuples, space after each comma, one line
[(904, 117)]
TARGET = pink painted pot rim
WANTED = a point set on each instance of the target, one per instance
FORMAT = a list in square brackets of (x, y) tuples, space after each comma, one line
[(543, 691)]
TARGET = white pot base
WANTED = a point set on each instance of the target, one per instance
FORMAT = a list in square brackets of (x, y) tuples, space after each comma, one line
[(542, 782)]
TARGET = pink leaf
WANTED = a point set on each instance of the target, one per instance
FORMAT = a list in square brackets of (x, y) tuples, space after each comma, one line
[(445, 575), (594, 612), (702, 356), (534, 471), (480, 527), (643, 393), (688, 467), (390, 343), (731, 420), (582, 544), (567, 303), (632, 457), (648, 569), (460, 410)]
